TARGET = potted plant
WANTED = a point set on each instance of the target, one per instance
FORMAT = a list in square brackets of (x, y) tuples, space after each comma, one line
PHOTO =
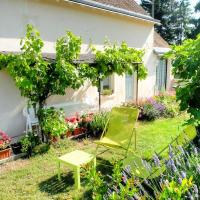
[(77, 131), (16, 148), (5, 150)]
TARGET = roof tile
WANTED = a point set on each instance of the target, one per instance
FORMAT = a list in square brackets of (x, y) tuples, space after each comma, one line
[(129, 5)]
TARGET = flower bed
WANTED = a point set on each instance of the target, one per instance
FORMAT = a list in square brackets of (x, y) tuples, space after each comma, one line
[(157, 107), (5, 150), (77, 124), (179, 180)]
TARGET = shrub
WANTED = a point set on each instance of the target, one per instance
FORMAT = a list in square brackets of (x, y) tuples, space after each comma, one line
[(28, 142), (4, 140), (149, 112), (97, 125), (53, 122), (41, 148), (170, 103)]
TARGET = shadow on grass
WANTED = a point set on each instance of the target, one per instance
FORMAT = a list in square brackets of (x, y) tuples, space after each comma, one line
[(53, 186)]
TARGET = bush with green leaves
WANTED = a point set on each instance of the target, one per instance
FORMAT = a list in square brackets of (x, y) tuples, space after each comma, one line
[(53, 122), (97, 125), (171, 105), (29, 141), (149, 112), (186, 62)]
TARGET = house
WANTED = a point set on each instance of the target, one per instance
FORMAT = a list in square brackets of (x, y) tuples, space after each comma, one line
[(93, 20)]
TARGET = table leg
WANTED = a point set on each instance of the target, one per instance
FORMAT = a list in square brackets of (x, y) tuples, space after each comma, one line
[(59, 178), (77, 178)]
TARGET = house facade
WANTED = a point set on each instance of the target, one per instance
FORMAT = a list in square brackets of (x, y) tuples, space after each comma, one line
[(94, 21)]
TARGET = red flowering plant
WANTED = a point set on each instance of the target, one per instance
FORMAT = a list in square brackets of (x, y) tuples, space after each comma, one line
[(5, 140), (78, 123)]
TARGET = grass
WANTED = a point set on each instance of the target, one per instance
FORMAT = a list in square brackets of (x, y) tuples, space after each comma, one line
[(36, 179), (157, 134)]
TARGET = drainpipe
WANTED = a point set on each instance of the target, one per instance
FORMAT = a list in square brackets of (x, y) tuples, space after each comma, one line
[(137, 87)]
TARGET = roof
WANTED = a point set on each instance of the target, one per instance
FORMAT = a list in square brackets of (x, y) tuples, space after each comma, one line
[(126, 7), (160, 41), (160, 45), (130, 5)]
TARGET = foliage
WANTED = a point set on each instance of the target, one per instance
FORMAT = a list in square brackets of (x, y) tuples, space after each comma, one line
[(5, 140), (170, 104), (174, 190), (196, 23), (41, 148), (97, 125), (117, 59), (186, 62), (28, 142), (106, 92), (38, 78), (53, 122), (159, 106), (178, 181), (118, 186), (174, 17), (149, 112)]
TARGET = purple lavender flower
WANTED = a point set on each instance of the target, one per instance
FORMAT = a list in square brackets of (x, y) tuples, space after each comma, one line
[(156, 160), (124, 177), (196, 191), (180, 180), (171, 154), (156, 105), (183, 174), (182, 150)]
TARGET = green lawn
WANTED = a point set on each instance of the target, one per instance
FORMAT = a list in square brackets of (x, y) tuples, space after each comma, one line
[(35, 178)]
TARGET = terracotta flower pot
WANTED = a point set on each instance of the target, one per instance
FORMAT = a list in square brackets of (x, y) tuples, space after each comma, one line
[(5, 153), (69, 133), (77, 131), (54, 139)]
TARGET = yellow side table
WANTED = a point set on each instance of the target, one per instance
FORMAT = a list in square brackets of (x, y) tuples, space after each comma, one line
[(76, 159)]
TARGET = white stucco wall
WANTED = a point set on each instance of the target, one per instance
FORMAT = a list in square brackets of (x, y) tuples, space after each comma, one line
[(52, 18)]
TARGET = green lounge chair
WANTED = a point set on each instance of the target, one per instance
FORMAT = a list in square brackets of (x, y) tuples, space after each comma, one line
[(183, 139), (119, 132)]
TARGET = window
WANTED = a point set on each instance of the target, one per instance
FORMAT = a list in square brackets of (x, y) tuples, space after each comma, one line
[(106, 84), (161, 75)]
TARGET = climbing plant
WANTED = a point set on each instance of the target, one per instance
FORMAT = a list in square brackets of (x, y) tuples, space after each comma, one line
[(117, 59), (38, 78)]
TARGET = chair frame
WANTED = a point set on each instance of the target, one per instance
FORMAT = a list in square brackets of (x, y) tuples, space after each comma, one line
[(128, 146)]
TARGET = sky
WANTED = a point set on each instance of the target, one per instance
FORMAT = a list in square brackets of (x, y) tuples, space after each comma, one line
[(193, 4)]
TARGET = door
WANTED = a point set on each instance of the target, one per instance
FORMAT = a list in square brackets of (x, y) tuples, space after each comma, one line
[(161, 75), (129, 84)]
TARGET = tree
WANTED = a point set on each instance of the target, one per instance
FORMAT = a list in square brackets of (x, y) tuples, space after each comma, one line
[(186, 66), (196, 23), (116, 59), (38, 78), (174, 17)]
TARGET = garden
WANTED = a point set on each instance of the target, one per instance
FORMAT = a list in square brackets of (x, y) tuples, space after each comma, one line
[(162, 155)]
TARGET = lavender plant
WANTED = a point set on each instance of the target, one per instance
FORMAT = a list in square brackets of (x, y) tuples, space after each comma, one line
[(179, 180)]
